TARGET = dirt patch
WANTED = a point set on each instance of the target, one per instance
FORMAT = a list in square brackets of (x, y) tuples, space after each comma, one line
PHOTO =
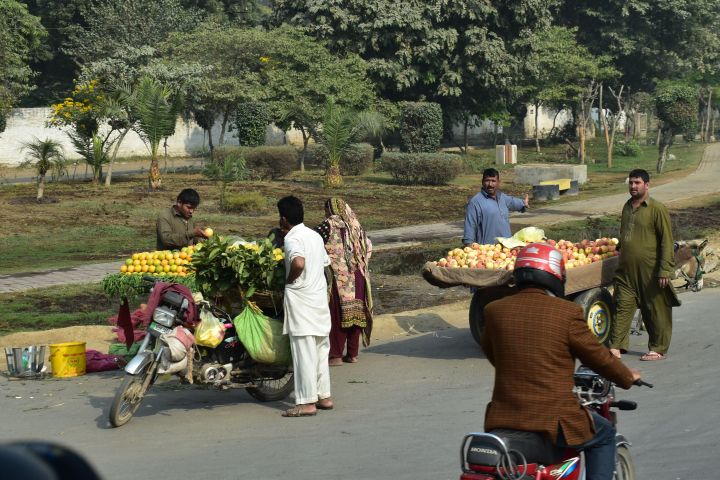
[(33, 201)]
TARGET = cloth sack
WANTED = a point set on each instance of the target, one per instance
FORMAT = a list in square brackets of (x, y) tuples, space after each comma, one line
[(100, 362), (177, 345), (262, 337)]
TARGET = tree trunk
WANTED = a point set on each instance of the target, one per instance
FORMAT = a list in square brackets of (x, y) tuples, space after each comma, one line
[(118, 141), (226, 116), (211, 145), (712, 124), (154, 177), (333, 178), (465, 134), (708, 114), (659, 134), (306, 140), (537, 131), (664, 145), (603, 119), (41, 186)]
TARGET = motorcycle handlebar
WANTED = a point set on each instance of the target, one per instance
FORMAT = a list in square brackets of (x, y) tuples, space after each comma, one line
[(641, 383)]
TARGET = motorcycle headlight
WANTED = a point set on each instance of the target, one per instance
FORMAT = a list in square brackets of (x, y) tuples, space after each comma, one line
[(164, 316)]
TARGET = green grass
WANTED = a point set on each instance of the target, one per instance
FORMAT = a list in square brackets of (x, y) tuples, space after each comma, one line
[(56, 307), (91, 224)]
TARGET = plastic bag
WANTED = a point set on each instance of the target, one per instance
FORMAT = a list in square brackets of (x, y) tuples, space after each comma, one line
[(211, 330), (262, 337), (530, 234)]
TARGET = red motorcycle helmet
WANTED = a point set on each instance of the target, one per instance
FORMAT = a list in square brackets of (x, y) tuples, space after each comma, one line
[(540, 265)]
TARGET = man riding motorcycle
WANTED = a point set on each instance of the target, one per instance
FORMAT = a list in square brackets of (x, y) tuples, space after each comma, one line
[(532, 339)]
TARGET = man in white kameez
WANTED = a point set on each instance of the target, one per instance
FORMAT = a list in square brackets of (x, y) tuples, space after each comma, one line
[(307, 312)]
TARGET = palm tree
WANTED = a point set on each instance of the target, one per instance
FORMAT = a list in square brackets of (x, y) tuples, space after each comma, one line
[(156, 109), (43, 155), (94, 151), (341, 127)]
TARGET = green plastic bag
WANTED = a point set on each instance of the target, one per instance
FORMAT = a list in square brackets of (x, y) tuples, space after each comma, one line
[(263, 337), (122, 350)]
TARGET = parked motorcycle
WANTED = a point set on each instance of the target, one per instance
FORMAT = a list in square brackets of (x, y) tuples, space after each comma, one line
[(517, 455), (224, 367)]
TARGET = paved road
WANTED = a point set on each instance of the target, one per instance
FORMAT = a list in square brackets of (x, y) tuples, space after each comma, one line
[(401, 413), (705, 180)]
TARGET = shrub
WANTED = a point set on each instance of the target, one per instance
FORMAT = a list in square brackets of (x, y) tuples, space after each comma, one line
[(247, 202), (357, 159), (251, 120), (226, 152), (627, 149), (421, 168), (421, 127), (271, 162), (317, 154)]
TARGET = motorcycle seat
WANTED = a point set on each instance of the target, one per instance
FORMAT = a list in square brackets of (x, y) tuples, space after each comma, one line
[(486, 451)]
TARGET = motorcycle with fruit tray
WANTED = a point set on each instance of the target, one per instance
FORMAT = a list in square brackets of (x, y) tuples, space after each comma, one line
[(229, 272), (590, 265)]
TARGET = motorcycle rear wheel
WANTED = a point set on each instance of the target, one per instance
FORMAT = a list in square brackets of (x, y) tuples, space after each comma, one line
[(129, 396), (271, 390), (625, 468)]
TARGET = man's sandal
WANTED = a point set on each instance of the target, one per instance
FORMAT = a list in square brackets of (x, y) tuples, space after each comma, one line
[(297, 411), (652, 357)]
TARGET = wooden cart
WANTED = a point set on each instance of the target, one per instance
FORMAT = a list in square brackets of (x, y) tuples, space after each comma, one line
[(586, 286)]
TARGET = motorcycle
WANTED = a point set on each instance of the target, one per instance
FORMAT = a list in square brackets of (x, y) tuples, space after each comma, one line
[(517, 455), (227, 366)]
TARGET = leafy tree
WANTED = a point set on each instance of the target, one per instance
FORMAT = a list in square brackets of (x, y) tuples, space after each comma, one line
[(649, 40), (56, 70), (463, 54), (232, 169), (557, 71), (156, 108), (21, 41), (44, 156), (237, 12), (251, 121), (676, 105), (229, 62), (302, 75)]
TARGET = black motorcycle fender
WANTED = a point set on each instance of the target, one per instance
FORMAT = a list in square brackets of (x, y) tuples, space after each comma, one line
[(140, 362)]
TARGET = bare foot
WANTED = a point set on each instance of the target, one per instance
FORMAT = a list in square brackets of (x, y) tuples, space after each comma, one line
[(616, 353)]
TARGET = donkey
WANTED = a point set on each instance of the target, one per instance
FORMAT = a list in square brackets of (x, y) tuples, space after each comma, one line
[(689, 263)]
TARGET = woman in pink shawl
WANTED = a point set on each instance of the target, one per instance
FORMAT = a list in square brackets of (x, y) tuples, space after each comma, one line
[(351, 298)]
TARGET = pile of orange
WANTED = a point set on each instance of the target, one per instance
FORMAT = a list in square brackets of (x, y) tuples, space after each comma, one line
[(160, 262)]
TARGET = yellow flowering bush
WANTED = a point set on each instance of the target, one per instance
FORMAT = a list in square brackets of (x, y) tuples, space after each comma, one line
[(80, 111)]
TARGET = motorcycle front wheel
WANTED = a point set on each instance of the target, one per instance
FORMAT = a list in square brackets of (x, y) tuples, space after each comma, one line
[(271, 390), (129, 396), (625, 468)]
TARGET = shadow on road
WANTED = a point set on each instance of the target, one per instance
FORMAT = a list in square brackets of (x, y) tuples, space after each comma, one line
[(169, 396), (447, 344)]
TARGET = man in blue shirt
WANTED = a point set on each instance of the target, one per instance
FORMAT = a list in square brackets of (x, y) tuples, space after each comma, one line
[(487, 214)]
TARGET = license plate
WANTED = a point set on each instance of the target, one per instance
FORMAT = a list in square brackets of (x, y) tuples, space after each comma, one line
[(157, 328)]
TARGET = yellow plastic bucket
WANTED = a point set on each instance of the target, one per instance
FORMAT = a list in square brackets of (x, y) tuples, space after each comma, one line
[(67, 359)]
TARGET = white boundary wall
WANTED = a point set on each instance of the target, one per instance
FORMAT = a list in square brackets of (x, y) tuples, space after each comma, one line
[(24, 124)]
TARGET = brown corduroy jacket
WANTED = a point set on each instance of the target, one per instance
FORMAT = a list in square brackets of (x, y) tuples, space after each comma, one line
[(533, 340)]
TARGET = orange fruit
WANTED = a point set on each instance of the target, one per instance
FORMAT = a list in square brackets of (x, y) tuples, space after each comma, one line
[(123, 268), (135, 256), (151, 269), (166, 268), (130, 269), (144, 268)]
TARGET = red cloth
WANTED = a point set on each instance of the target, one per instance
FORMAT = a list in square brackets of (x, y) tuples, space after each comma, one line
[(100, 362), (191, 314), (136, 331), (124, 322)]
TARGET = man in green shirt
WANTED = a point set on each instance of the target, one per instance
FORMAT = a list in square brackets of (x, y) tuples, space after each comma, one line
[(642, 279), (175, 226)]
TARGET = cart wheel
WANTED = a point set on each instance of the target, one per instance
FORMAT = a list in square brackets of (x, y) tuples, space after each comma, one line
[(597, 305)]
